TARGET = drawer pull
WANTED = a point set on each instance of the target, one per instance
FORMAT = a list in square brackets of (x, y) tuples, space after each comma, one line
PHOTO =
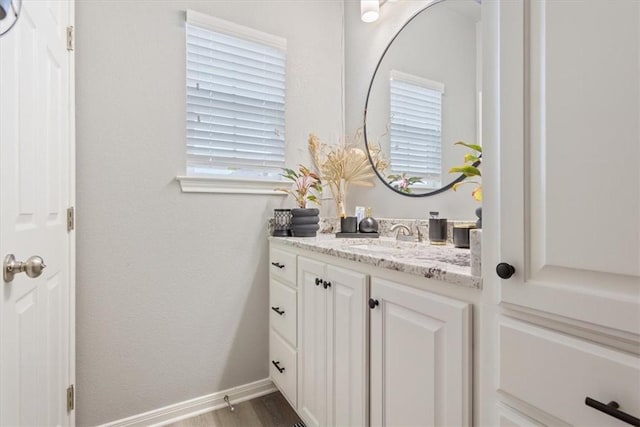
[(326, 284), (277, 310), (318, 281), (611, 408), (277, 365), (277, 264)]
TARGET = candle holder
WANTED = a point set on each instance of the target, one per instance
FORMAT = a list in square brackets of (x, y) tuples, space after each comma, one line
[(281, 222)]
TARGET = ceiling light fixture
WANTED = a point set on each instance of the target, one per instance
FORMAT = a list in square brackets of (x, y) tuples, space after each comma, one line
[(369, 10)]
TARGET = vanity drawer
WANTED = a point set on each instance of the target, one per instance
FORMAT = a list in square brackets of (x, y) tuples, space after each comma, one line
[(282, 264), (556, 372), (284, 375), (282, 309)]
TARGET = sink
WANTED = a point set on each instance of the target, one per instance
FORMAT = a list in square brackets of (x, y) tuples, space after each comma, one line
[(377, 248), (385, 247)]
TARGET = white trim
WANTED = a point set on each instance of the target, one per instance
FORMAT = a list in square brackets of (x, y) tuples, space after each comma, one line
[(230, 28), (193, 407), (72, 202), (200, 184), (417, 80)]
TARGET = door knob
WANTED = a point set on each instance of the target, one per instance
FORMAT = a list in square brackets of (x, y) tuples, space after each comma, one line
[(32, 266), (505, 270)]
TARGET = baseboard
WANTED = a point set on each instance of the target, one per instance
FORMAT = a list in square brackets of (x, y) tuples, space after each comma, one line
[(199, 405)]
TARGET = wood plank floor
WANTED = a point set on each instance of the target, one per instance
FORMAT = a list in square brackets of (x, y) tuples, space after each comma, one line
[(271, 410)]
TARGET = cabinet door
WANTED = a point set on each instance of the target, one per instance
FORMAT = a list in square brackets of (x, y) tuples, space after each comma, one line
[(313, 373), (420, 358), (569, 150), (347, 349)]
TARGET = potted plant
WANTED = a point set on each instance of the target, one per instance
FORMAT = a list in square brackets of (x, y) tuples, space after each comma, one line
[(469, 169), (306, 188)]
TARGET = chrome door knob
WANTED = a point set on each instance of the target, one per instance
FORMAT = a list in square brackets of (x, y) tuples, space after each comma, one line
[(32, 267)]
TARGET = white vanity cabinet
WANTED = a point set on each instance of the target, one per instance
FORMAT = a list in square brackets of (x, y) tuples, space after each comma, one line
[(420, 357), (333, 384), (398, 357), (568, 319)]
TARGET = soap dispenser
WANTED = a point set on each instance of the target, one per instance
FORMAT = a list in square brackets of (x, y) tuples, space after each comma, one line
[(368, 224), (437, 229)]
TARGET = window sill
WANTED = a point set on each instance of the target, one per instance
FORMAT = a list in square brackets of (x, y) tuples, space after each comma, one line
[(198, 184)]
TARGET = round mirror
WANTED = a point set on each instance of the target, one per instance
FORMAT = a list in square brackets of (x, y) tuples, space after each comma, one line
[(424, 96)]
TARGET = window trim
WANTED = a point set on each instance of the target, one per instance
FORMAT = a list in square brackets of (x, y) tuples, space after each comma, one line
[(205, 184)]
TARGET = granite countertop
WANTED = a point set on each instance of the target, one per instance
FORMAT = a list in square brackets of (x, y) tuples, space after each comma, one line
[(445, 263)]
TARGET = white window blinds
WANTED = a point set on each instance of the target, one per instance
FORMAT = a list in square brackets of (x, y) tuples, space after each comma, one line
[(416, 128), (235, 99)]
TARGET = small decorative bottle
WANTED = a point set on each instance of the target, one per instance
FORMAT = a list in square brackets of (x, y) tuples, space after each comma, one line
[(437, 229), (368, 224)]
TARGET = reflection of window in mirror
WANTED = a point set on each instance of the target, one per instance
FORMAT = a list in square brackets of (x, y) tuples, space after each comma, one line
[(416, 128)]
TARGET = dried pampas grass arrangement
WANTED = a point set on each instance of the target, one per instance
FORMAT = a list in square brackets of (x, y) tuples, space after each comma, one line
[(342, 165)]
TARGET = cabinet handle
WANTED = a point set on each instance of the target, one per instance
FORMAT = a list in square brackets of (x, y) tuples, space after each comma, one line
[(373, 303), (505, 270), (277, 310), (318, 281), (611, 408), (277, 365), (326, 284), (277, 264)]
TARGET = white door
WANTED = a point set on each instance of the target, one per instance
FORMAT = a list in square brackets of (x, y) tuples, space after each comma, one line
[(313, 372), (420, 358), (569, 175), (36, 187), (347, 315)]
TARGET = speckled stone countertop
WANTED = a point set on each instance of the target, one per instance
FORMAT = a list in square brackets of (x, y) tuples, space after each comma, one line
[(445, 263)]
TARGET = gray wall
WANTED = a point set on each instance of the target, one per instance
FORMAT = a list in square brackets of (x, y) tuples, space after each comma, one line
[(172, 288), (364, 43)]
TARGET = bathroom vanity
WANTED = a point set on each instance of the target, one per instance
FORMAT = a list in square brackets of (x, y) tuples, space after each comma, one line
[(368, 331)]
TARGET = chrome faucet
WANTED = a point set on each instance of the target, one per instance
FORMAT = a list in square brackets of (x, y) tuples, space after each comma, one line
[(407, 234)]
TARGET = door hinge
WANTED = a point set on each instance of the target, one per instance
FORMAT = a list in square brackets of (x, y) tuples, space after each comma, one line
[(70, 38), (71, 219), (71, 398)]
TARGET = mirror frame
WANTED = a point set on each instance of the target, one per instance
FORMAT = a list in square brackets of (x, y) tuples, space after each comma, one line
[(366, 107)]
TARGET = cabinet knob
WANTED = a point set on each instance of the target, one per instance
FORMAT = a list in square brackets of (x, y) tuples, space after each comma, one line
[(326, 284), (373, 303), (505, 270), (318, 281)]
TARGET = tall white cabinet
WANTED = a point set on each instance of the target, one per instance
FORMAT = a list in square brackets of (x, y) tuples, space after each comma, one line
[(568, 314)]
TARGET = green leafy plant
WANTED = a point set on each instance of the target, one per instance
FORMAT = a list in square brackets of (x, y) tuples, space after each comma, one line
[(304, 181), (470, 169), (403, 182)]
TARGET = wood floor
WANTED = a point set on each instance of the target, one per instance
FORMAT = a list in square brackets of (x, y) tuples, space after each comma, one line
[(271, 410)]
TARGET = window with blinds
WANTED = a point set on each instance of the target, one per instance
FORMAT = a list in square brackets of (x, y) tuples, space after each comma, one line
[(235, 100), (416, 128)]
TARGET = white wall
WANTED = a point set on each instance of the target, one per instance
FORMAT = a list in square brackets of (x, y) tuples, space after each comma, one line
[(172, 288), (364, 44)]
